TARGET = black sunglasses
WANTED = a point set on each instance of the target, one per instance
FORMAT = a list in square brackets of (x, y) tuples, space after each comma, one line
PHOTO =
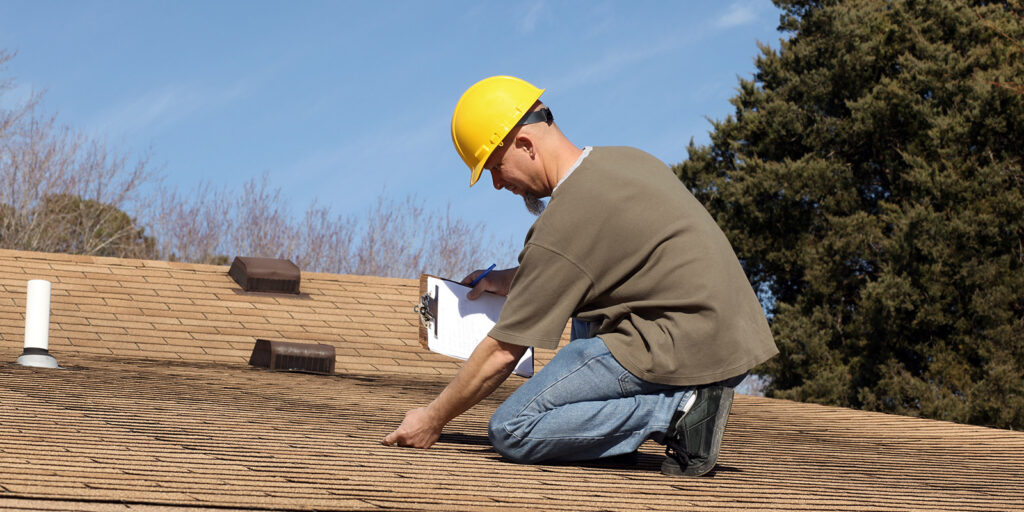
[(537, 116)]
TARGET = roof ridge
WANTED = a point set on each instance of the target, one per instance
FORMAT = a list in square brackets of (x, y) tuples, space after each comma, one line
[(105, 260), (180, 265)]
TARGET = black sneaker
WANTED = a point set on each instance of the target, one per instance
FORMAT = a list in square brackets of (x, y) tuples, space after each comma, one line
[(695, 437)]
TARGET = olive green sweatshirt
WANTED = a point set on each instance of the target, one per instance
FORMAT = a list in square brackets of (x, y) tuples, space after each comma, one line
[(625, 246)]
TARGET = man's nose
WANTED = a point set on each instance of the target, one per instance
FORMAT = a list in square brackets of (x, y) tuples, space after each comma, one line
[(497, 181)]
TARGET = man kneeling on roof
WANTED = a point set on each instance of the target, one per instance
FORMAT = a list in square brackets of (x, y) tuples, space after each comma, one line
[(665, 323)]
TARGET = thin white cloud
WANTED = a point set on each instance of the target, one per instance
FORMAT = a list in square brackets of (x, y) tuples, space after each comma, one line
[(150, 110), (156, 109), (739, 13), (614, 61), (532, 17), (372, 157), (620, 58)]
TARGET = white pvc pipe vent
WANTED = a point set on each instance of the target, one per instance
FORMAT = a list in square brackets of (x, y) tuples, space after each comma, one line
[(37, 326)]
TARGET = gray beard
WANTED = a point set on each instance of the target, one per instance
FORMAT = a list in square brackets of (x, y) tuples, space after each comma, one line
[(534, 204)]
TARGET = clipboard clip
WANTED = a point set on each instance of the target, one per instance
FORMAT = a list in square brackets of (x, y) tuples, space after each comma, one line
[(427, 309)]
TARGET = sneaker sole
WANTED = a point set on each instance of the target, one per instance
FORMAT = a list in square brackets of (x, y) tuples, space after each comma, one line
[(671, 467)]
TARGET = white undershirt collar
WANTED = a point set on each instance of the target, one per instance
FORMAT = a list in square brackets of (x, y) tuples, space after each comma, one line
[(586, 151)]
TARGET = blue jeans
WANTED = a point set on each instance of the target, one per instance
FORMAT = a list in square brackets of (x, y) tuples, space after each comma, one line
[(582, 405)]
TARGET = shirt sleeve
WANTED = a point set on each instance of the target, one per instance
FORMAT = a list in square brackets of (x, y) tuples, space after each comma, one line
[(546, 291)]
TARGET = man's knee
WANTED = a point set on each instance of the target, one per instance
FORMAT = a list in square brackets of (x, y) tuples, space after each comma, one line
[(507, 437)]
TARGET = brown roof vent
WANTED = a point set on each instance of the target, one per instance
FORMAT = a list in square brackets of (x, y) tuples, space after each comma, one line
[(265, 275), (293, 357)]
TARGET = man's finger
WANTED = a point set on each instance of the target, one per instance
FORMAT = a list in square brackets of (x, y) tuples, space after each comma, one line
[(472, 275), (390, 439)]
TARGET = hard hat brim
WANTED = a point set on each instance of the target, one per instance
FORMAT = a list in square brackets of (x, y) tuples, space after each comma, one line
[(477, 171)]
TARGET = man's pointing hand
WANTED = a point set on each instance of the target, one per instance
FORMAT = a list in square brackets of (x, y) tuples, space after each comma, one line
[(418, 430)]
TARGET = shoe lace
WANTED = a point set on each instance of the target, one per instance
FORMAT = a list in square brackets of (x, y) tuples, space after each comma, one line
[(678, 451)]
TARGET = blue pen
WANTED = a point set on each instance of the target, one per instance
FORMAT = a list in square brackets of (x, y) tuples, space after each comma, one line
[(481, 276)]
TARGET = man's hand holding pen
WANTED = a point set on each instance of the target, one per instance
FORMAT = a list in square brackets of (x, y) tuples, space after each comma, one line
[(489, 280)]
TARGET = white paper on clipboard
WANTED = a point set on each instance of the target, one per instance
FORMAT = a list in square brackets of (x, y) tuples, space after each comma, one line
[(461, 324)]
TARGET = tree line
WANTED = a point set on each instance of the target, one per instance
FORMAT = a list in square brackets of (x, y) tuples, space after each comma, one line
[(61, 191)]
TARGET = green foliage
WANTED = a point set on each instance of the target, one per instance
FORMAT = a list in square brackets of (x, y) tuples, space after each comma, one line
[(86, 226), (66, 223), (872, 183)]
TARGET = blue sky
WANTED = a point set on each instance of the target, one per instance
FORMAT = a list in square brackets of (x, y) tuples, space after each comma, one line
[(341, 101)]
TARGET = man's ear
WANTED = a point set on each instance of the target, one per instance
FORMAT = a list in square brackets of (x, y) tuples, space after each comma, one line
[(524, 142)]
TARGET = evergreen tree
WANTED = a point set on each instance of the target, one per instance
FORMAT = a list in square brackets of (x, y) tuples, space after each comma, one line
[(872, 183), (68, 224)]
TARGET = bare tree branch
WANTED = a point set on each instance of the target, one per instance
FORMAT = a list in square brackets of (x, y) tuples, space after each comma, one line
[(63, 192)]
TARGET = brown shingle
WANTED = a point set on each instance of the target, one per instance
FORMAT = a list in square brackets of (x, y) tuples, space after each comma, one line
[(157, 408), (207, 431)]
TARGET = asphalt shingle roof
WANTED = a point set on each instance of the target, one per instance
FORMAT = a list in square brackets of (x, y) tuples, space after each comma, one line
[(156, 409)]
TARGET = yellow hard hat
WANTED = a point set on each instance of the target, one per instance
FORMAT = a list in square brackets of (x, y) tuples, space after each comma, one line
[(484, 115)]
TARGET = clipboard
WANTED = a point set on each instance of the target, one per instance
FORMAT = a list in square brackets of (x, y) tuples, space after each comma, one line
[(427, 310), (452, 325)]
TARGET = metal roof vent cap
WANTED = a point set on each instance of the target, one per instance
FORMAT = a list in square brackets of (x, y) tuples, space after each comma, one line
[(37, 326), (265, 274), (293, 357)]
